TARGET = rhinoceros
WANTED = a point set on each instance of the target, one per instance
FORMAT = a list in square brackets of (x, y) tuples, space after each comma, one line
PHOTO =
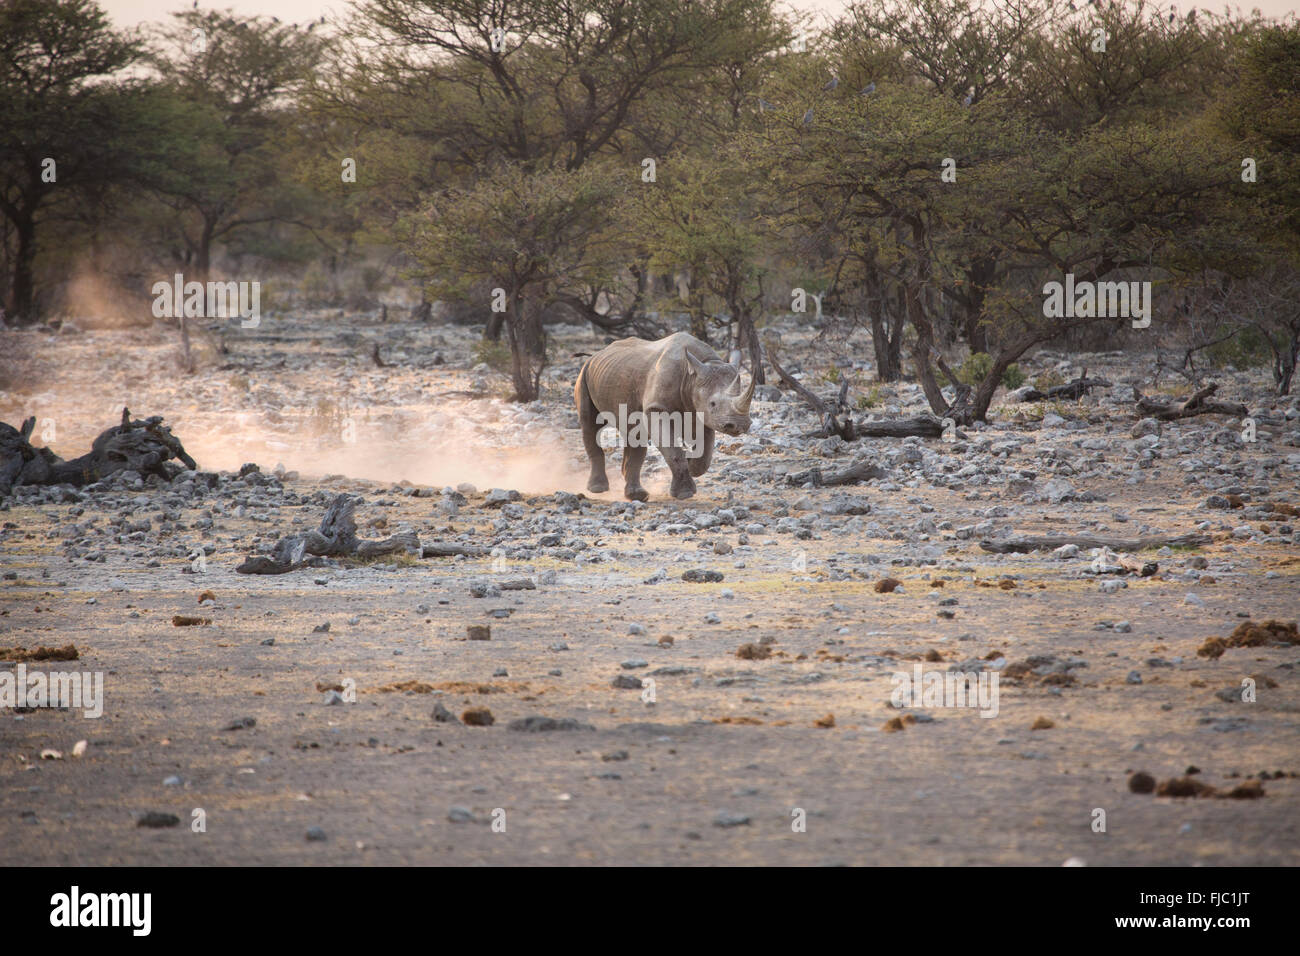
[(676, 393)]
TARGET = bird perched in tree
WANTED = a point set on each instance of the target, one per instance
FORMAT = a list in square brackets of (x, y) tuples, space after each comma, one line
[(833, 82), (764, 105), (970, 98), (868, 89), (808, 117)]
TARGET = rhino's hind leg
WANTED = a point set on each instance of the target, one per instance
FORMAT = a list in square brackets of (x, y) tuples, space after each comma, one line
[(587, 414), (700, 464), (633, 459)]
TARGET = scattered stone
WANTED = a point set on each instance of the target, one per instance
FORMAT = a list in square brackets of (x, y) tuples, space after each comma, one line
[(1250, 790), (1250, 634), (442, 715), (1184, 787), (1141, 782), (156, 820), (316, 835), (725, 818), (68, 652), (1042, 723), (699, 576), (544, 724)]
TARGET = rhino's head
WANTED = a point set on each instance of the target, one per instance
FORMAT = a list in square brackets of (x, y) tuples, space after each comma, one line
[(717, 395)]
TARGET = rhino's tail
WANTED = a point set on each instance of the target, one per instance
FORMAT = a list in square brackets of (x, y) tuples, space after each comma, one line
[(582, 398)]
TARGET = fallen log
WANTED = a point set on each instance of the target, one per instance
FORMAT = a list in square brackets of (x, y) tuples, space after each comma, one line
[(336, 537), (445, 549), (141, 445), (1196, 405), (1071, 391), (1052, 542), (836, 419), (858, 472), (922, 426)]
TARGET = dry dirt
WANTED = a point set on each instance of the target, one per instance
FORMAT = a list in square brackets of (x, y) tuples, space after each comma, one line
[(717, 768)]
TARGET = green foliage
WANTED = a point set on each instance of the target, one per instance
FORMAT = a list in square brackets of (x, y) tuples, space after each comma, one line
[(975, 369), (872, 399), (1049, 379), (1248, 349), (495, 355), (1013, 378)]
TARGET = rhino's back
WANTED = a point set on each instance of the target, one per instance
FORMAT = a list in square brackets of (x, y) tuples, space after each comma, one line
[(622, 372)]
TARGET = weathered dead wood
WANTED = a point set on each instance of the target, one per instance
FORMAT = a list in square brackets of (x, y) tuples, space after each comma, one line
[(141, 445), (336, 537), (836, 419), (1050, 543), (1071, 391), (922, 426), (446, 549), (1196, 405), (856, 473), (789, 381)]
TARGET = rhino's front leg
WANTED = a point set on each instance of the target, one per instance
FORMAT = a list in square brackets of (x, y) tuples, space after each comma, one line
[(633, 459), (700, 464), (683, 484)]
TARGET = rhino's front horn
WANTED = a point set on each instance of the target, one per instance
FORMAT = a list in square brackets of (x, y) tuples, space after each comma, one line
[(749, 395)]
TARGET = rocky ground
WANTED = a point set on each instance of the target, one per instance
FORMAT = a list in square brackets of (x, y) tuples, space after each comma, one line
[(341, 714)]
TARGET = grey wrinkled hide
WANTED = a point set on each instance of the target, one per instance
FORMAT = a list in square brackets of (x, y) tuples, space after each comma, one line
[(678, 373)]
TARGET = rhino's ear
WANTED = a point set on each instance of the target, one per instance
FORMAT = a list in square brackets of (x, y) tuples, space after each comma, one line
[(693, 365)]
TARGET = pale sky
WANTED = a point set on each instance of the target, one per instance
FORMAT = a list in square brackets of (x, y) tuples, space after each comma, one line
[(127, 13)]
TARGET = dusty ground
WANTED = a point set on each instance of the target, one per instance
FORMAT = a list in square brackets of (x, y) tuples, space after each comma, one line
[(714, 770)]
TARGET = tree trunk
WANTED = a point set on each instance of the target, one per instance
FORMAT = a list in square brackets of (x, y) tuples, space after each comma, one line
[(749, 340), (921, 353), (24, 287), (203, 254), (978, 276)]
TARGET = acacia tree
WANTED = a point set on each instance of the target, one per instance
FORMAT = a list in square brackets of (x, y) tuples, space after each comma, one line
[(524, 236), (232, 78), (935, 200), (63, 129), (1261, 116), (703, 214), (543, 84)]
